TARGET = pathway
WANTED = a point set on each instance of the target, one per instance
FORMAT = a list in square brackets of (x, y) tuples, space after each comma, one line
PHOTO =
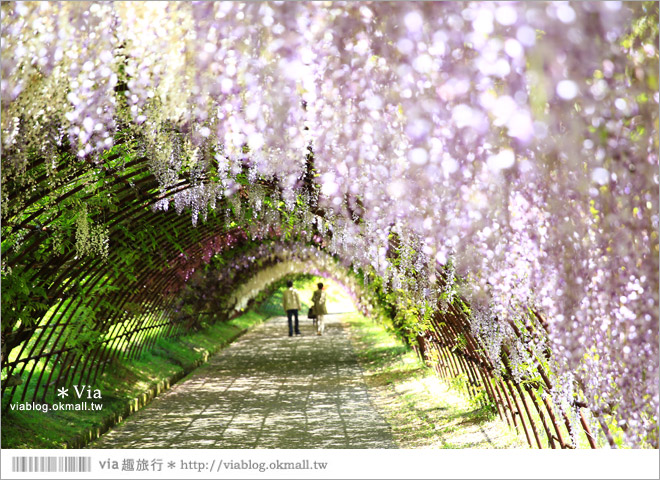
[(266, 390)]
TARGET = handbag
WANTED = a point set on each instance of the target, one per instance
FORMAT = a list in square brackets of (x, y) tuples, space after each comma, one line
[(311, 313)]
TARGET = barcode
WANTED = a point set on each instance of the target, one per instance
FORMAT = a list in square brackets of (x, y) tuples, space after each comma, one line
[(51, 464)]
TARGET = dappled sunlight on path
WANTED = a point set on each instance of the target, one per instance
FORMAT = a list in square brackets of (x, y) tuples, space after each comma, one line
[(266, 390)]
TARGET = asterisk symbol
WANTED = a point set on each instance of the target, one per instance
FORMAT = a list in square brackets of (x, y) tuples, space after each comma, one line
[(62, 392), (171, 464)]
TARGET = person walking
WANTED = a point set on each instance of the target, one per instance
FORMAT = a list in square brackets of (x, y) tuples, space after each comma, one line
[(318, 300), (291, 304)]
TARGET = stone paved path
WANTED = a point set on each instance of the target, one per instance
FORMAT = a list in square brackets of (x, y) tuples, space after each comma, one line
[(266, 390)]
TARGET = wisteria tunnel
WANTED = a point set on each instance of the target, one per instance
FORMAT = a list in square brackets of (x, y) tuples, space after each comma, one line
[(482, 176)]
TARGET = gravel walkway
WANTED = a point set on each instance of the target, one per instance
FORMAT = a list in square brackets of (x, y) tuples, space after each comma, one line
[(266, 390)]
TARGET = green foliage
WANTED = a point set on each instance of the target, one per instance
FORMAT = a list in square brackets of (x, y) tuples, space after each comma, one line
[(119, 385), (461, 343), (22, 302), (91, 239), (644, 28), (421, 411), (398, 308), (83, 336)]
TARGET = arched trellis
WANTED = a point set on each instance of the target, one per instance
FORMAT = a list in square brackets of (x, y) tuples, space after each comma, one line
[(153, 253), (133, 307), (517, 403), (574, 148)]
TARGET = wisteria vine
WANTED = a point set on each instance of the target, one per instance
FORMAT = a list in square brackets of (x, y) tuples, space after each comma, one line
[(514, 145)]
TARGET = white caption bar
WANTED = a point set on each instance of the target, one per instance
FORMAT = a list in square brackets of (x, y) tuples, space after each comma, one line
[(357, 464)]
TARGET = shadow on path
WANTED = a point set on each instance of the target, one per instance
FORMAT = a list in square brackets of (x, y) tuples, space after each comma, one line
[(266, 390)]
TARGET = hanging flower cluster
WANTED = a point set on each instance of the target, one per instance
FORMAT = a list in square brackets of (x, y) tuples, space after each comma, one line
[(91, 239), (515, 143)]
